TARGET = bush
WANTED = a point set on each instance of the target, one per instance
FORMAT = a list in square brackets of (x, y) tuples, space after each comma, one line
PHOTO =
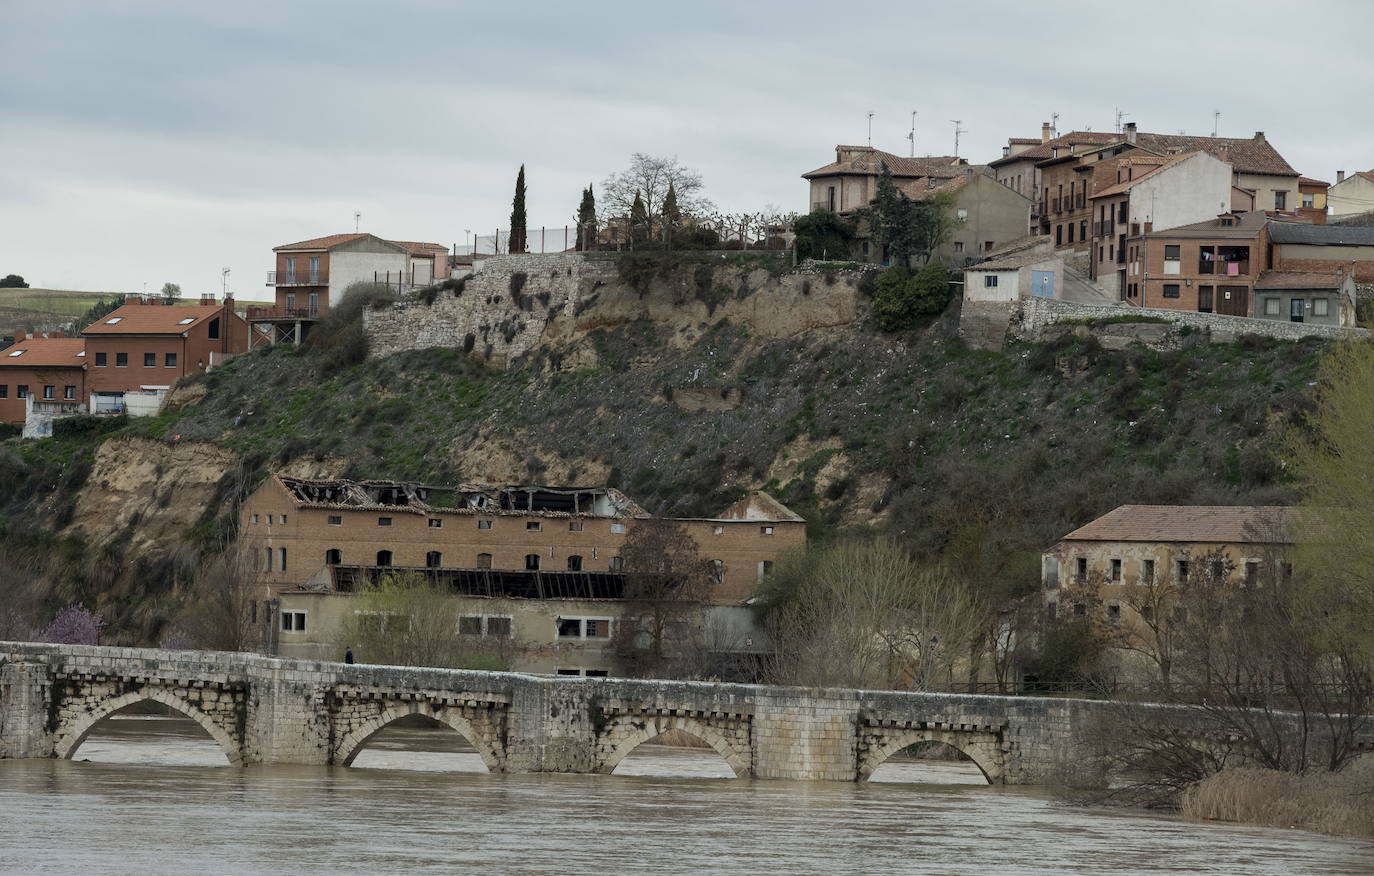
[(338, 339), (902, 297), (1330, 802), (823, 235)]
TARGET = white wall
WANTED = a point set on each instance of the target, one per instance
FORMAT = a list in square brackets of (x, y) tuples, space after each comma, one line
[(1007, 288), (1353, 195), (347, 268), (1194, 190)]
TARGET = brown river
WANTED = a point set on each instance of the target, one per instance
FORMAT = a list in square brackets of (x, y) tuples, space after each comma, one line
[(154, 795)]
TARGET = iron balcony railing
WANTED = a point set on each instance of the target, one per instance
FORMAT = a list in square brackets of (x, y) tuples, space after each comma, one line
[(297, 278)]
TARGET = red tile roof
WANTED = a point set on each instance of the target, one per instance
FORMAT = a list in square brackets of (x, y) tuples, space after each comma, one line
[(867, 161), (1309, 181), (420, 249), (1244, 154), (327, 242), (45, 353), (152, 319), (1062, 143), (1208, 524)]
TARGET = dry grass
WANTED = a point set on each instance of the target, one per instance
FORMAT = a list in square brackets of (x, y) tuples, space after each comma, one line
[(1340, 804)]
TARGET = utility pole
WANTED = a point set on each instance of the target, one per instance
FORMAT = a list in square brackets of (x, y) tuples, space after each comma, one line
[(912, 135), (870, 129), (957, 131)]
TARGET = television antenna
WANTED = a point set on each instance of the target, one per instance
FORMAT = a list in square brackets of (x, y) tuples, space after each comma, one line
[(357, 220), (957, 131), (1120, 114), (870, 129), (223, 283), (1054, 124), (912, 135), (1216, 121)]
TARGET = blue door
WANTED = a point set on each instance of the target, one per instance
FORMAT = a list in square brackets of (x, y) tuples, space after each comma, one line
[(1042, 284)]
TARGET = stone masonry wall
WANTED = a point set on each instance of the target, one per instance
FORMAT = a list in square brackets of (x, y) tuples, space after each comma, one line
[(517, 303)]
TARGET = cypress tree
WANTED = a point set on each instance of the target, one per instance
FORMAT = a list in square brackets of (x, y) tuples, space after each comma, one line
[(639, 219), (517, 214), (586, 220), (672, 216)]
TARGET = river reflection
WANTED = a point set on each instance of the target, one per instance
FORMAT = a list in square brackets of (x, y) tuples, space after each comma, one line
[(152, 800)]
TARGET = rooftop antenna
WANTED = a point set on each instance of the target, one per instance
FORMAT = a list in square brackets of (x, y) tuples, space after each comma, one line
[(357, 219), (1216, 121), (870, 129), (957, 131), (912, 135), (1054, 124), (1120, 114), (224, 283)]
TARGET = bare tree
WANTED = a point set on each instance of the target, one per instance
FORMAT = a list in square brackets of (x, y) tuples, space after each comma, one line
[(666, 588), (219, 610), (651, 176), (406, 620)]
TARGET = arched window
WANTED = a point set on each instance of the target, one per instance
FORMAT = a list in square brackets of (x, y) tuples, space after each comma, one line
[(484, 561), (383, 558), (434, 559), (574, 563), (267, 567), (333, 557), (531, 562)]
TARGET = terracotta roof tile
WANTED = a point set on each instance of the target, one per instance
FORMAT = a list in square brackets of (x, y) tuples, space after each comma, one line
[(1244, 154), (868, 162), (45, 353), (419, 248), (1210, 524), (326, 242), (1046, 150), (1309, 181), (152, 319)]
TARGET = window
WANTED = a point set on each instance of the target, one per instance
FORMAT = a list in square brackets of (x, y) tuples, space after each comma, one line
[(1059, 235), (958, 246), (101, 360), (765, 530), (1182, 569), (114, 320), (1083, 230), (616, 564), (765, 567), (1217, 569), (1170, 290), (470, 625), (187, 321), (584, 627), (499, 626), (333, 557), (170, 360), (1271, 306), (1320, 307), (1071, 230), (1081, 568), (1116, 571), (69, 392), (1113, 612), (574, 526), (23, 391), (121, 360), (484, 524), (484, 561), (531, 562), (4, 390), (281, 555), (293, 621), (574, 563), (718, 570), (433, 560), (150, 360), (1173, 259), (717, 530), (336, 520), (283, 519), (618, 528), (384, 558), (383, 521), (987, 245), (1147, 571), (214, 329), (255, 518), (1080, 610), (436, 523), (533, 526), (1309, 201), (989, 281), (15, 354), (1280, 200), (267, 560), (49, 392), (1251, 573)]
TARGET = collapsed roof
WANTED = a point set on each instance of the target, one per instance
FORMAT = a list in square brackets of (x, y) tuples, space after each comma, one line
[(523, 499)]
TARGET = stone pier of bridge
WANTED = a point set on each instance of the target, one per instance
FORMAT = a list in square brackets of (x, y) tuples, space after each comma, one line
[(262, 710)]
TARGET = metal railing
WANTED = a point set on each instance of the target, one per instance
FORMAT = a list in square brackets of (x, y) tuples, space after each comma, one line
[(292, 278), (283, 313)]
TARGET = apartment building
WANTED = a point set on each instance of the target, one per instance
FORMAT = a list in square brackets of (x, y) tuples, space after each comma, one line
[(544, 562), (49, 371), (1208, 267), (135, 354)]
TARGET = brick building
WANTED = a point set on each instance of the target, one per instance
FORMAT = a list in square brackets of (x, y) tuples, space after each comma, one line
[(1323, 249), (135, 354), (539, 564), (1208, 267), (50, 370)]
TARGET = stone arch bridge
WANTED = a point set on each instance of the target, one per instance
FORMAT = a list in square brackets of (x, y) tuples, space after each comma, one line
[(265, 710)]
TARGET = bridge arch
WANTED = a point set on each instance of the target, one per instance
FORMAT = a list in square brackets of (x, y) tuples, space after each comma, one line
[(69, 738), (352, 745), (624, 733), (982, 749)]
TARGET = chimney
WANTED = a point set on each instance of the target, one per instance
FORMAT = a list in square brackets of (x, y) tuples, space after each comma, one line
[(1130, 132), (1044, 132), (1340, 176), (1259, 135), (18, 335)]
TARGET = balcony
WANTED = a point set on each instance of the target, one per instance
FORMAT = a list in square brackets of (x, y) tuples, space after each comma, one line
[(266, 314), (291, 278), (822, 205), (1224, 268)]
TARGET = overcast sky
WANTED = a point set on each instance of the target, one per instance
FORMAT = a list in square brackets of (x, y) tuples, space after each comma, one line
[(146, 142)]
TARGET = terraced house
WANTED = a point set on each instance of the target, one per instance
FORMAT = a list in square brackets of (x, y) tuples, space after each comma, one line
[(538, 566), (42, 372)]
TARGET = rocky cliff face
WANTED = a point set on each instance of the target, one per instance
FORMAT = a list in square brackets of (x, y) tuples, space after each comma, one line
[(517, 304)]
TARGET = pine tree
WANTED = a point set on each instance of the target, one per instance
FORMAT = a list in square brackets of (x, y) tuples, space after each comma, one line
[(517, 214), (639, 220), (586, 220)]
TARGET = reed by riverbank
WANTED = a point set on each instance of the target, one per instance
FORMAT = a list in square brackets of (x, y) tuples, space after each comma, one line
[(1339, 804)]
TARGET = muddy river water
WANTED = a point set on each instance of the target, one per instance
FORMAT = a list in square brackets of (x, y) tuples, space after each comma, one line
[(154, 795)]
